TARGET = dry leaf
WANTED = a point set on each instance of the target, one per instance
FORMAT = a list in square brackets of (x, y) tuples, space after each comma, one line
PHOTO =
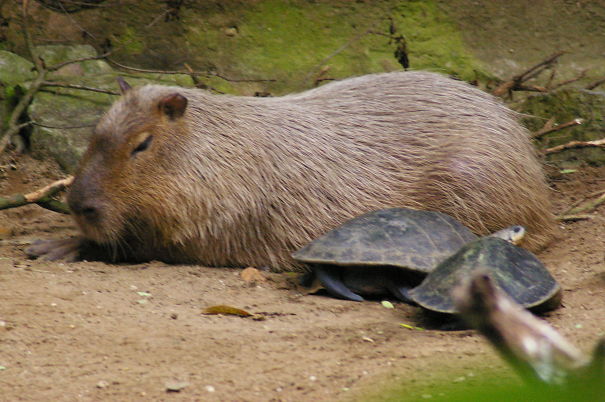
[(226, 310)]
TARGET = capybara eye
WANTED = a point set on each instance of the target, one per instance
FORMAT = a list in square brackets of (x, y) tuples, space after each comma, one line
[(142, 146)]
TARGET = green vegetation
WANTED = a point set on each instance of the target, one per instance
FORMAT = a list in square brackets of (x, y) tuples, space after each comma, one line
[(298, 42)]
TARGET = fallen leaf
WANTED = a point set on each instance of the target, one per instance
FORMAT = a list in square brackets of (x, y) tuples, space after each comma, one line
[(226, 310), (387, 304), (252, 275)]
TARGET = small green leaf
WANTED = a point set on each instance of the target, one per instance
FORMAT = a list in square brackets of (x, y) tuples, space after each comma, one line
[(2, 368), (387, 304), (408, 326), (144, 294), (567, 171)]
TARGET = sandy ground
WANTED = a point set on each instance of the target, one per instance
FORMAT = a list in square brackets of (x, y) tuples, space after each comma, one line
[(92, 331)]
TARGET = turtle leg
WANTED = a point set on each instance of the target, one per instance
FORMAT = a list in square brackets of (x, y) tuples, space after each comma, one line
[(330, 279), (401, 292)]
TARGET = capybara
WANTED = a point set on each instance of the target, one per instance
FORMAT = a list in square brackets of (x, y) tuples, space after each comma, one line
[(182, 175)]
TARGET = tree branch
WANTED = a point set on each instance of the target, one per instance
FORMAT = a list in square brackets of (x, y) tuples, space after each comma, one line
[(42, 197), (81, 87), (516, 82), (550, 128), (531, 346), (575, 144)]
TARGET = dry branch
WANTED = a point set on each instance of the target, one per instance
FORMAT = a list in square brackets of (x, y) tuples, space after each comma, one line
[(575, 144), (172, 72), (574, 217), (535, 349), (566, 82), (516, 83), (586, 206), (549, 127), (595, 84), (81, 87), (42, 197)]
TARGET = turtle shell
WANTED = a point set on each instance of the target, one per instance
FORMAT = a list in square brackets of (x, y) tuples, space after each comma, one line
[(515, 270), (398, 237)]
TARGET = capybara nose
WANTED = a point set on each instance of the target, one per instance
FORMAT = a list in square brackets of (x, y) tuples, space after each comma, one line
[(90, 213), (87, 210)]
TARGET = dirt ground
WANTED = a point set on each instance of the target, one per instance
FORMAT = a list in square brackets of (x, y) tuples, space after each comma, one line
[(92, 331)]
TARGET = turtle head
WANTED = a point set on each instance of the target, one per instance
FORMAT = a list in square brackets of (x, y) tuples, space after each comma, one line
[(512, 234)]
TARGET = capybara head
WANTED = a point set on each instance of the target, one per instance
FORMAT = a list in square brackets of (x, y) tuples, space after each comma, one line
[(183, 175), (122, 176)]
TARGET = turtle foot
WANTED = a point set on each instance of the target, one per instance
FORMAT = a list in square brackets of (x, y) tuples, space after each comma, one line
[(330, 279), (401, 292)]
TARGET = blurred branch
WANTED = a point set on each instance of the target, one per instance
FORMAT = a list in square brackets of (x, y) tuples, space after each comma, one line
[(595, 84), (532, 347), (566, 82), (42, 197), (81, 87), (190, 72), (585, 206), (549, 127), (516, 83), (68, 62), (575, 144)]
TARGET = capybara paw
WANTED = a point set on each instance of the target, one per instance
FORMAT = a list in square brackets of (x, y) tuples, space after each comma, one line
[(67, 250)]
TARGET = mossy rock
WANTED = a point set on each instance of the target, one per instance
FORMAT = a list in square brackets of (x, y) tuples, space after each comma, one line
[(565, 105), (300, 42), (14, 69), (56, 54), (65, 117)]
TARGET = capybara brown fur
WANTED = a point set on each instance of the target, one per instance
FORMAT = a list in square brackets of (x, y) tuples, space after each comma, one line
[(182, 175)]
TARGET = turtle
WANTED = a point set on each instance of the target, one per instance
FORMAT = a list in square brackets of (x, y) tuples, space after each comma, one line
[(387, 251), (515, 270)]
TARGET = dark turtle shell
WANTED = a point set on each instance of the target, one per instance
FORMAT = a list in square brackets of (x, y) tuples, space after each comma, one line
[(396, 237), (515, 270)]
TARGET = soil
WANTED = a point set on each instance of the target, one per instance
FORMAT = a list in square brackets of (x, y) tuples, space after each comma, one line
[(94, 331)]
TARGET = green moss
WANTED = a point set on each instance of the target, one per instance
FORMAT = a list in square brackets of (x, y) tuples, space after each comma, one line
[(297, 42), (433, 40), (568, 104), (130, 41)]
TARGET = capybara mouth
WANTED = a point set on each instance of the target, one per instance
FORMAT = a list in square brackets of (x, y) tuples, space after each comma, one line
[(99, 230)]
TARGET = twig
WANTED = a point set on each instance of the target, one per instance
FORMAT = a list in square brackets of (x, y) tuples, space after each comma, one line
[(575, 144), (81, 87), (336, 52), (595, 84), (566, 82), (516, 82), (549, 127), (573, 218), (33, 123), (535, 349), (172, 72), (42, 197), (585, 206), (68, 62)]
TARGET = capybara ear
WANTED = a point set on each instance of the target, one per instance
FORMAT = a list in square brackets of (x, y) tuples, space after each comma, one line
[(173, 105), (124, 87)]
